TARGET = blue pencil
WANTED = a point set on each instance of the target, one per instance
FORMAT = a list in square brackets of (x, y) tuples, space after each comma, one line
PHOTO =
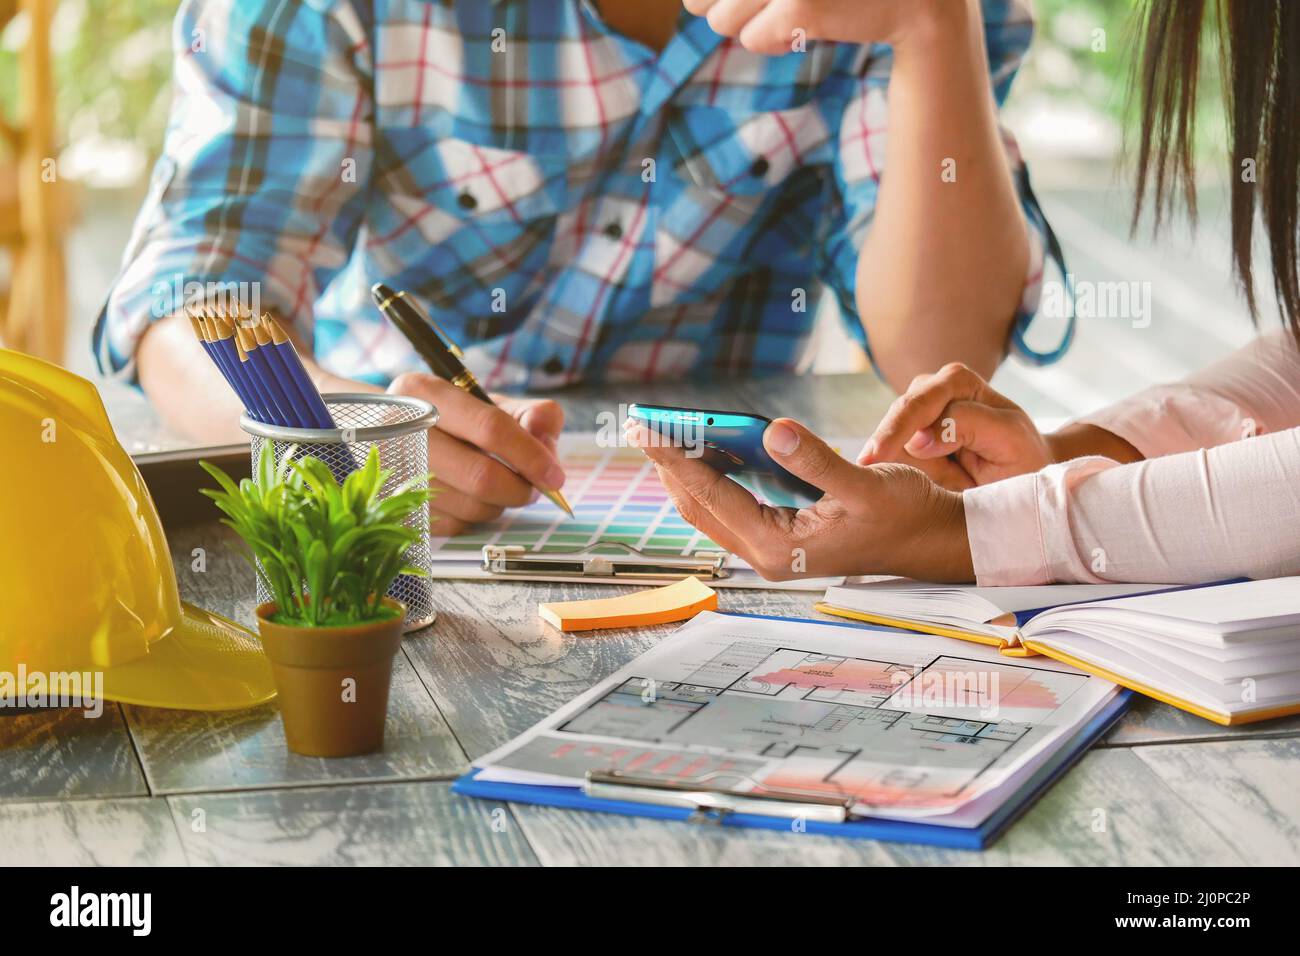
[(282, 347), (269, 413), (207, 337), (289, 355), (269, 379), (197, 326), (275, 361), (238, 362)]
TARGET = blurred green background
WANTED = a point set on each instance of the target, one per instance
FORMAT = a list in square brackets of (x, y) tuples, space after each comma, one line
[(112, 68), (1071, 86)]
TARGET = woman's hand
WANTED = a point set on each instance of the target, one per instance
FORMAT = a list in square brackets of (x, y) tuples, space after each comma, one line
[(771, 26), (954, 417), (883, 519)]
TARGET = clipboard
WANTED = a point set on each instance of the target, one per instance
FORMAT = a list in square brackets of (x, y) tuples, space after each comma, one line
[(509, 563), (595, 561), (610, 794)]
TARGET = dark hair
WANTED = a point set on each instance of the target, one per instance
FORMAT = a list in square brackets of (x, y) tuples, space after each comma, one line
[(1259, 44)]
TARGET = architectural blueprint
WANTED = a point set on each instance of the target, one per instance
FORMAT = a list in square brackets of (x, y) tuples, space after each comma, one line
[(905, 723)]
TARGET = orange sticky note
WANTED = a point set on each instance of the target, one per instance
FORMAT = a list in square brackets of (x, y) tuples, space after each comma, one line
[(674, 602)]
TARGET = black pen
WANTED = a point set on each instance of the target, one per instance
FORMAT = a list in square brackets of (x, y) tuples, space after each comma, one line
[(440, 353)]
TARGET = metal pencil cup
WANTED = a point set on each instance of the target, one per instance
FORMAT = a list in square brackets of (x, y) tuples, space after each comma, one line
[(399, 427)]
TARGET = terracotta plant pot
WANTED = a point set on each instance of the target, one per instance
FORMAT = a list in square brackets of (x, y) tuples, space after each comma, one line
[(325, 715)]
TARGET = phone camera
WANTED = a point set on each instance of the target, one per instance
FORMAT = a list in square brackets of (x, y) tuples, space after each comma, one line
[(708, 421)]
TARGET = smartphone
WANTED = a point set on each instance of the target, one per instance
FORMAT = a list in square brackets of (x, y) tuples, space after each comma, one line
[(731, 443)]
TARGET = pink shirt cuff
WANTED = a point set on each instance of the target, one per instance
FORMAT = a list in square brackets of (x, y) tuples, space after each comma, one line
[(1006, 540), (1019, 529)]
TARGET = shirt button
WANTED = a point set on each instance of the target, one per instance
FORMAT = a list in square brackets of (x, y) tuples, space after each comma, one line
[(613, 231), (466, 201), (759, 167), (553, 365)]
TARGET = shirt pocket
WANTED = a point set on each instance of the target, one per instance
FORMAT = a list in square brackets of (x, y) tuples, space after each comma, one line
[(475, 216), (752, 157), (488, 184), (471, 183), (731, 177)]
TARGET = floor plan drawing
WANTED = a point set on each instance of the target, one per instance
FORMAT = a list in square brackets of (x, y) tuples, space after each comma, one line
[(914, 729)]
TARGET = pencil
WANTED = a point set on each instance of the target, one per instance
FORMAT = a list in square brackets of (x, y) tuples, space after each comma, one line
[(197, 326), (239, 358), (284, 346), (279, 403), (301, 408), (208, 333)]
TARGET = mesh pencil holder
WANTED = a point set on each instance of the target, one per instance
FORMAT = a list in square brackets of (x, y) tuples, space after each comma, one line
[(399, 427)]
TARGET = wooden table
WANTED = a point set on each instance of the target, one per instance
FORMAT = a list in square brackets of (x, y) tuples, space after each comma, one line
[(142, 786)]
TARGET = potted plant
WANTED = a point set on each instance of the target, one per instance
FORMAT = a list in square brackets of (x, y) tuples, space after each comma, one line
[(327, 553)]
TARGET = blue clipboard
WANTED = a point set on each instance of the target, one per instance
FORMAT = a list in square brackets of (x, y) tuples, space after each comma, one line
[(897, 831)]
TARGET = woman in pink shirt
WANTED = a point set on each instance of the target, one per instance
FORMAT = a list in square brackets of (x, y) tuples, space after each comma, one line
[(1191, 482)]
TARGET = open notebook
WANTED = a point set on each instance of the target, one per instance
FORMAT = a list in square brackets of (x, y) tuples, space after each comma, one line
[(1227, 652), (990, 616)]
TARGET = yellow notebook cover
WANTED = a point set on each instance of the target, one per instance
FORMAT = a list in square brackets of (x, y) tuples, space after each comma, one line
[(1032, 648), (1010, 650)]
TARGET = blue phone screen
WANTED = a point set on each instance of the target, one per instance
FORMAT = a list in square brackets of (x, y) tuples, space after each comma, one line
[(731, 443)]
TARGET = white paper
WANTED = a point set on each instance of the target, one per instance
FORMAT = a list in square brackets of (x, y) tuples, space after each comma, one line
[(904, 725), (964, 606), (1223, 609)]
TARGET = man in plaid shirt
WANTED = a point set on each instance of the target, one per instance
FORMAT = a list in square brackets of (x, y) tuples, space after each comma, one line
[(614, 190)]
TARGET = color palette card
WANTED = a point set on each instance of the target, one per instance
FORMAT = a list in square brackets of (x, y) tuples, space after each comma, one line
[(616, 497)]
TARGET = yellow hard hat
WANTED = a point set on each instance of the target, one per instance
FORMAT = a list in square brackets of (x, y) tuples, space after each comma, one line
[(86, 580)]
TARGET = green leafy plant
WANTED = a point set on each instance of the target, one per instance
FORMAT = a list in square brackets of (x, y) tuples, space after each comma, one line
[(326, 552)]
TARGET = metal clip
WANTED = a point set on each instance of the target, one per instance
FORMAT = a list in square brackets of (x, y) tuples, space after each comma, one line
[(513, 559), (714, 804)]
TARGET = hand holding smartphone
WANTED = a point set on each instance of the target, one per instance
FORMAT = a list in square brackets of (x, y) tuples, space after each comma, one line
[(732, 444)]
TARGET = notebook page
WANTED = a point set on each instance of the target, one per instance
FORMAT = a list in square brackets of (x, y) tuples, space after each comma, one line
[(922, 601), (1225, 609)]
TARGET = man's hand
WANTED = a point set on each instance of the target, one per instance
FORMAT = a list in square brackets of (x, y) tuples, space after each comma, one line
[(882, 519), (769, 26), (469, 483)]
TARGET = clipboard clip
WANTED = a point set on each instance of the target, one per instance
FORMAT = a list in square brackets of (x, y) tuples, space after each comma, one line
[(714, 804), (633, 564)]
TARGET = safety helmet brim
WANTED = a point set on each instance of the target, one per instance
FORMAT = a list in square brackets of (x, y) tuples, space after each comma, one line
[(205, 663)]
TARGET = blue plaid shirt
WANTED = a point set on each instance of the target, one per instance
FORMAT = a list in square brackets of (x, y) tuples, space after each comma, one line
[(566, 203)]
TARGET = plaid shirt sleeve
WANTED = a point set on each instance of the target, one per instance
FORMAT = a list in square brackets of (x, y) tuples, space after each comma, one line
[(260, 189), (859, 163)]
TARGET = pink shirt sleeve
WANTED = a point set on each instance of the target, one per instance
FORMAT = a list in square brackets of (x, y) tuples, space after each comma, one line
[(1217, 497), (1253, 391)]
